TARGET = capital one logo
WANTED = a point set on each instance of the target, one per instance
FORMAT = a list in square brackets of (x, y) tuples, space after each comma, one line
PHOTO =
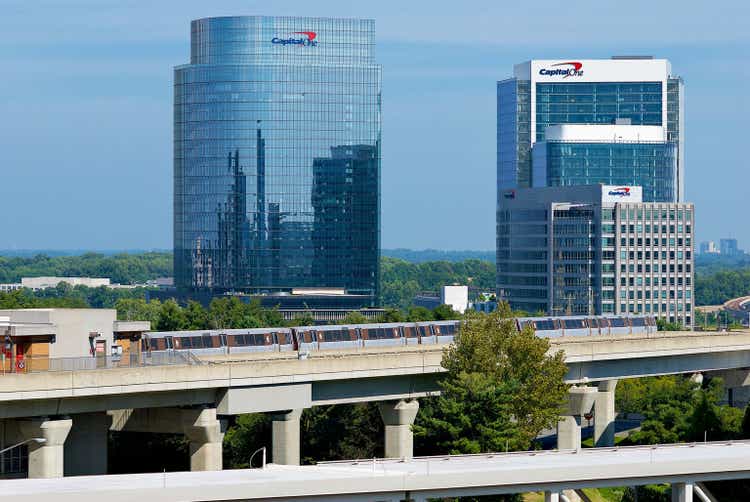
[(620, 192), (308, 40), (567, 69)]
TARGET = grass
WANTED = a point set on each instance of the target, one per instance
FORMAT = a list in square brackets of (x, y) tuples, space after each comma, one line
[(605, 494)]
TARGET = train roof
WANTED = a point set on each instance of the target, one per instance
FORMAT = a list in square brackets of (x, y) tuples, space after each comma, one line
[(212, 332)]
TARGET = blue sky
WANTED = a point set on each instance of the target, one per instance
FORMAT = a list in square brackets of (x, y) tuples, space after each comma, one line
[(86, 93)]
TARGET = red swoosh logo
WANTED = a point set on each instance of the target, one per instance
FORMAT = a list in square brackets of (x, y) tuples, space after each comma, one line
[(310, 34), (576, 65)]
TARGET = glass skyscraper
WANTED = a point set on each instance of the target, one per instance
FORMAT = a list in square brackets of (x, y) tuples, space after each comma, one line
[(277, 156), (639, 96)]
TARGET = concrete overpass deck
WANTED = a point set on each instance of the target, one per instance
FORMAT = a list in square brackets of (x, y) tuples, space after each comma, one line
[(244, 383), (419, 479)]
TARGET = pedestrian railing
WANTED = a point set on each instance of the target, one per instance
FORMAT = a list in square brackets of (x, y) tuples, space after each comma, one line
[(35, 364)]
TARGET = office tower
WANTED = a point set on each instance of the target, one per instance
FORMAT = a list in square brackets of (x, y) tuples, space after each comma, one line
[(728, 247), (595, 249), (616, 121), (277, 157)]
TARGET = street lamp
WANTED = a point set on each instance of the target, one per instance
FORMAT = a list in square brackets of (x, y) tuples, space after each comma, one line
[(32, 440)]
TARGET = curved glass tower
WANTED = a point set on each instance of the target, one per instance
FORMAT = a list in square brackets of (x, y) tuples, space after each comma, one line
[(277, 156)]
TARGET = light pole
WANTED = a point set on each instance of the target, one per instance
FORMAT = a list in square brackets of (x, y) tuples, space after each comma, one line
[(32, 440), (263, 449)]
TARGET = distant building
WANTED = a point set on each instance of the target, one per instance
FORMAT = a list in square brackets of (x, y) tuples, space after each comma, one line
[(456, 297), (709, 247), (36, 283), (728, 247), (595, 249)]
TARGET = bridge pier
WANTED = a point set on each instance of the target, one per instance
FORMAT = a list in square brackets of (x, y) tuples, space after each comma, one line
[(551, 496), (604, 414), (682, 492), (285, 437), (580, 401), (46, 460), (398, 417), (86, 445), (205, 433)]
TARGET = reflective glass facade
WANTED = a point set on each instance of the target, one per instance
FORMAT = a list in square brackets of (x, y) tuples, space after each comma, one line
[(597, 103), (513, 133), (277, 156), (652, 166)]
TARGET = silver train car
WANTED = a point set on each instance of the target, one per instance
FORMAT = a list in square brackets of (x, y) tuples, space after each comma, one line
[(357, 336)]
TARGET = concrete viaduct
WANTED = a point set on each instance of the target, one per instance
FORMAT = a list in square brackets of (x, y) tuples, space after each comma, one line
[(685, 466), (73, 410)]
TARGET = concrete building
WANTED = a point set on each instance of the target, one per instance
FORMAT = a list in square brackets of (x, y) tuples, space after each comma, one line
[(595, 249), (616, 121), (36, 283), (33, 339), (456, 297)]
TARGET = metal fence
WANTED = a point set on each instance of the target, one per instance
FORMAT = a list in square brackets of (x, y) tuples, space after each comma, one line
[(135, 360)]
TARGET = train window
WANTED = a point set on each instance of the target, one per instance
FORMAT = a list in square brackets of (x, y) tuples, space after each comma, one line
[(424, 330), (618, 322), (637, 321), (449, 329), (593, 322), (603, 322), (206, 341), (284, 338), (544, 325), (410, 332), (574, 323), (307, 336)]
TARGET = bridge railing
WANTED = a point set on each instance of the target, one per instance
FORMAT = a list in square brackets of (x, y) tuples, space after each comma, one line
[(35, 364)]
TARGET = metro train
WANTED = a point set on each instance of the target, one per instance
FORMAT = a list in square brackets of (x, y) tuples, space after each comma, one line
[(354, 336)]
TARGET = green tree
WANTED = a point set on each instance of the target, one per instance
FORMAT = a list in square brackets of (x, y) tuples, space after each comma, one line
[(353, 318), (501, 389), (419, 314), (171, 317), (445, 312)]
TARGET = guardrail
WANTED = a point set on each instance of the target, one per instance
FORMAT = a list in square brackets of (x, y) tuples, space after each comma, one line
[(41, 364)]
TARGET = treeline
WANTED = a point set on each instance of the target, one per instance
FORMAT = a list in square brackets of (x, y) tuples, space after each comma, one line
[(231, 312), (66, 296), (718, 287), (423, 255), (402, 280), (120, 268)]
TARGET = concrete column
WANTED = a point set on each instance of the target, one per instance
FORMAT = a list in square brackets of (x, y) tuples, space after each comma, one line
[(46, 460), (551, 497), (205, 433), (604, 414), (86, 445), (682, 492), (580, 401), (285, 437), (398, 417)]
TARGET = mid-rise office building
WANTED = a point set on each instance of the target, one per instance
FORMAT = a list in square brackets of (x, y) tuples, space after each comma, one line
[(277, 157), (595, 249), (616, 121)]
